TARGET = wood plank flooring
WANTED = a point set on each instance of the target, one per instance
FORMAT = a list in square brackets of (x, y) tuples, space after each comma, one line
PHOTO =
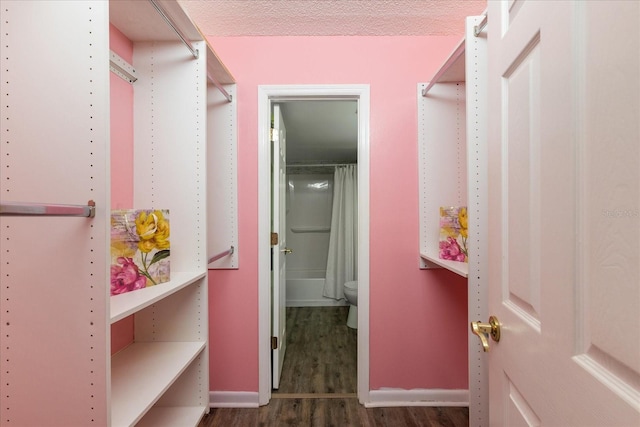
[(322, 352), (336, 413), (319, 383)]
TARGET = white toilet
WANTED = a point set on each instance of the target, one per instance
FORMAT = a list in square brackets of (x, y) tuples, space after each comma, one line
[(351, 294)]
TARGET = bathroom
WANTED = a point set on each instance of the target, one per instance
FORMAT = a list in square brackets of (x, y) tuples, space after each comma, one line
[(321, 139), (322, 136)]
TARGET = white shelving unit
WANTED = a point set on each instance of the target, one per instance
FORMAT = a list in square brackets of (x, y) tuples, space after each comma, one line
[(443, 154), (56, 310), (223, 173), (452, 138)]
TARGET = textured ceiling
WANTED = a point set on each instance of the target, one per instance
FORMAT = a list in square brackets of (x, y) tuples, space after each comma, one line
[(326, 131), (332, 17)]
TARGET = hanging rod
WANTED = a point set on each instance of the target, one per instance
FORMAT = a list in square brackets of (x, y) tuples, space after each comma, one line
[(40, 209), (217, 84), (319, 165), (169, 21), (221, 255), (477, 29)]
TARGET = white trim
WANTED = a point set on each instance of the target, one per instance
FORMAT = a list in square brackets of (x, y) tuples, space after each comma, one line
[(316, 303), (265, 95), (417, 397), (233, 399)]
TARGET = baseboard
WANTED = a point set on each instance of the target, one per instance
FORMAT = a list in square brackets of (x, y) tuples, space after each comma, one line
[(315, 303), (233, 399), (417, 397)]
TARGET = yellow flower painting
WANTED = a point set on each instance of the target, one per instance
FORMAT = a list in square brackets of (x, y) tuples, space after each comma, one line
[(140, 249), (453, 233)]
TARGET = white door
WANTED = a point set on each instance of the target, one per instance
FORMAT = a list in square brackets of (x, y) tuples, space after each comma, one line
[(564, 232), (279, 249)]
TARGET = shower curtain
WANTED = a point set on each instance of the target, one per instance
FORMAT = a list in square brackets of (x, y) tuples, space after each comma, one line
[(342, 259)]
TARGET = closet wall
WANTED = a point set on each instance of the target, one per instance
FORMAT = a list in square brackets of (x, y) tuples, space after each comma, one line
[(403, 298), (56, 309), (55, 149)]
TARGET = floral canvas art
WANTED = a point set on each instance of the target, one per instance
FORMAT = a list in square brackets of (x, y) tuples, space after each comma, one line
[(140, 249), (453, 233)]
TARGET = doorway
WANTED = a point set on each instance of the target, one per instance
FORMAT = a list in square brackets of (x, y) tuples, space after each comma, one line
[(267, 95), (315, 325)]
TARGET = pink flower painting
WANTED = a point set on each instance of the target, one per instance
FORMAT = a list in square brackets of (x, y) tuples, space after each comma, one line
[(453, 234), (140, 249), (126, 277), (449, 249)]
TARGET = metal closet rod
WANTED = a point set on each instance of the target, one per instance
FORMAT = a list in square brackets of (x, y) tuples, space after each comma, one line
[(218, 86), (221, 255), (310, 165), (169, 21), (43, 209), (187, 43)]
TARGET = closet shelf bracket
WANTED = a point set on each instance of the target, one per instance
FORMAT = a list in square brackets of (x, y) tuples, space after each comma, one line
[(477, 29), (122, 68)]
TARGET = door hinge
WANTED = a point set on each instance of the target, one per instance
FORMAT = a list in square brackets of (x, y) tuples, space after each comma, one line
[(274, 343), (273, 136), (274, 239)]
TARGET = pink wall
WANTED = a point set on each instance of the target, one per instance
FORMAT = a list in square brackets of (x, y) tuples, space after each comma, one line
[(418, 320), (121, 158)]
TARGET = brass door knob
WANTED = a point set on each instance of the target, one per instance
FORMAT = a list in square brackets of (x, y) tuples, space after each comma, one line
[(486, 330), (287, 251)]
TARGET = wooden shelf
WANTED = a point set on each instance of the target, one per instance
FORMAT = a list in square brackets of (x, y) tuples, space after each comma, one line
[(142, 372), (460, 268), (452, 70), (127, 304), (139, 21)]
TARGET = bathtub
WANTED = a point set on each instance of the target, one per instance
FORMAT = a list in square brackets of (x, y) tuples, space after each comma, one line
[(304, 289)]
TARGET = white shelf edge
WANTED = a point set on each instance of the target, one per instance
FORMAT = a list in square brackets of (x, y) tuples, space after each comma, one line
[(460, 268), (452, 70), (172, 416), (141, 373), (124, 305)]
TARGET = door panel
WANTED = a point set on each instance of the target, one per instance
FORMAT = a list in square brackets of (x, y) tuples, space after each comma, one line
[(608, 311), (564, 203), (521, 85), (279, 251)]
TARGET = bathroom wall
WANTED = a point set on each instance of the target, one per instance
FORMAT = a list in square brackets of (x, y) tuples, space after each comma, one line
[(309, 202), (309, 205), (418, 318)]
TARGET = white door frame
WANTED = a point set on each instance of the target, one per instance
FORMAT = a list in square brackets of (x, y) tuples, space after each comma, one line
[(267, 94)]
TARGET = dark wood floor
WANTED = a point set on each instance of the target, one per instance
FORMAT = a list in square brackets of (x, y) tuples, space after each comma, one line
[(335, 412), (319, 382), (322, 352)]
